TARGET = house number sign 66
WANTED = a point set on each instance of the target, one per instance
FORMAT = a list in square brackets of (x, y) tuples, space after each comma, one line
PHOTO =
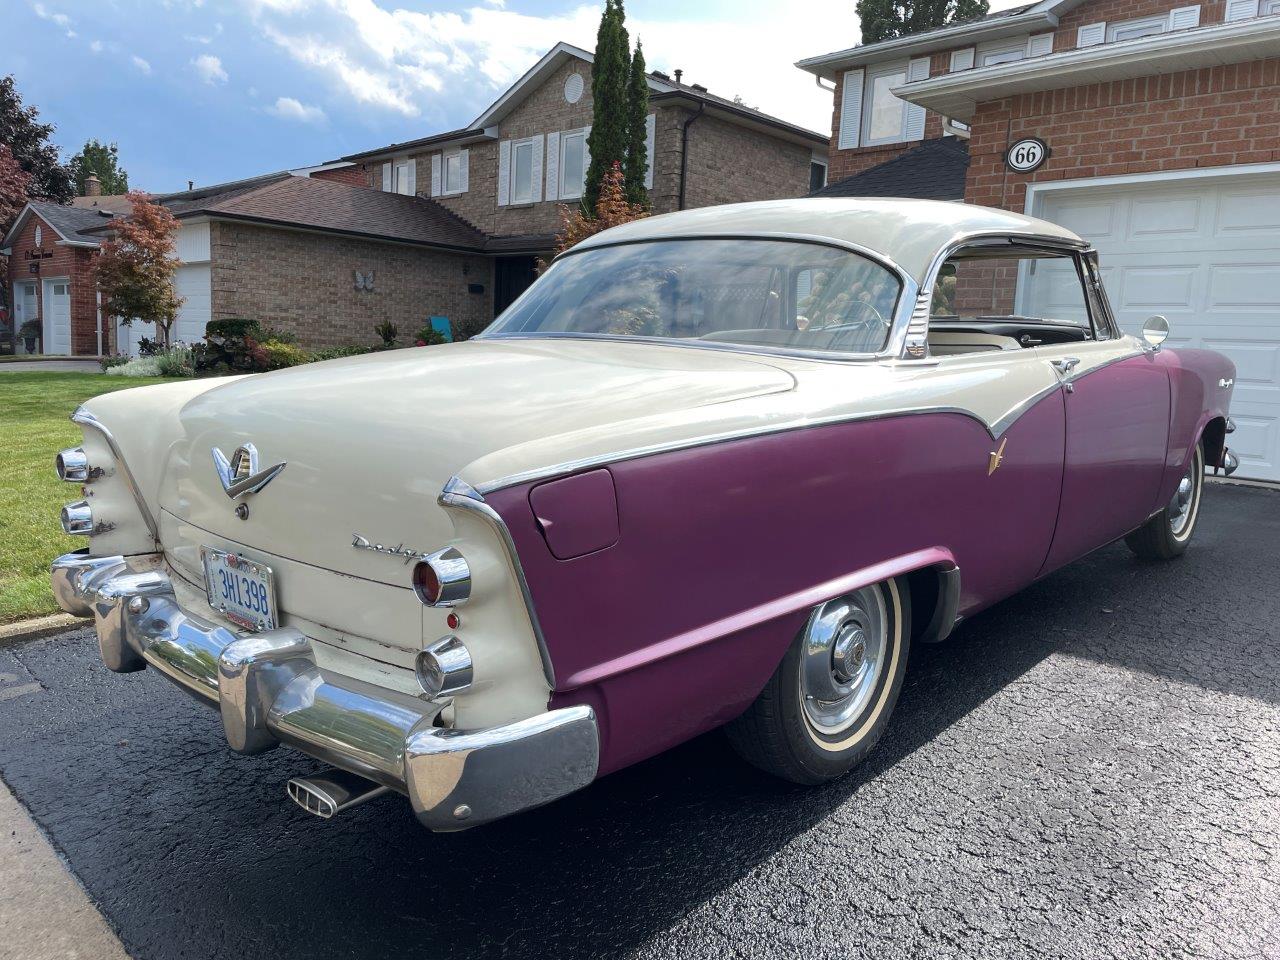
[(1026, 155)]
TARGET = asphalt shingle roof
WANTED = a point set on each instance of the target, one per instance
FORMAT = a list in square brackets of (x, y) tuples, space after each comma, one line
[(325, 205), (935, 170), (71, 222)]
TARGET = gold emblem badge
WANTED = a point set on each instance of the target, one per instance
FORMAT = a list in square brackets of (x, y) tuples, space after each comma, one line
[(996, 458)]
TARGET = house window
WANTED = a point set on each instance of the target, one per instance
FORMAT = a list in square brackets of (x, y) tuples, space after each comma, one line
[(453, 173), (1133, 29), (1005, 54), (522, 172), (885, 112), (817, 175), (39, 235), (398, 176), (573, 164)]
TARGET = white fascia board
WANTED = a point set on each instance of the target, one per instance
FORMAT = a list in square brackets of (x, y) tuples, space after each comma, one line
[(957, 95), (76, 243), (829, 65)]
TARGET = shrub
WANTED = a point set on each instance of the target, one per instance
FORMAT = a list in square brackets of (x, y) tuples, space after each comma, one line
[(175, 362), (230, 346), (276, 355), (337, 353), (137, 367), (234, 327), (429, 336), (148, 347), (117, 360), (389, 333)]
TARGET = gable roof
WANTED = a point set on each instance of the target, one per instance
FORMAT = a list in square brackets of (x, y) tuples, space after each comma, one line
[(662, 89), (329, 207), (69, 223), (111, 202), (935, 170), (1040, 15)]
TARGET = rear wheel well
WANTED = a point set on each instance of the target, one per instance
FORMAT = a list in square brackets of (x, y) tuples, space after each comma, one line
[(1214, 438), (935, 595)]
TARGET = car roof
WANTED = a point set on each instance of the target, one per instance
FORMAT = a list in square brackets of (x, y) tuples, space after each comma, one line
[(907, 232)]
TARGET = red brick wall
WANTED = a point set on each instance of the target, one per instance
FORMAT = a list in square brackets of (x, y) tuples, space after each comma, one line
[(353, 176), (1199, 118), (72, 262), (1118, 11)]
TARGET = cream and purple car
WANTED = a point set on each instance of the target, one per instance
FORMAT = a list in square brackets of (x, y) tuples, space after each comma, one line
[(720, 467)]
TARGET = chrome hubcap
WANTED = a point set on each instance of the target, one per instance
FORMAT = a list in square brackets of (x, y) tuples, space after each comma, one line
[(844, 654), (1183, 500)]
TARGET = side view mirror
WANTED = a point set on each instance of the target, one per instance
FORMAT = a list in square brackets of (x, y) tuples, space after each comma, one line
[(1155, 331)]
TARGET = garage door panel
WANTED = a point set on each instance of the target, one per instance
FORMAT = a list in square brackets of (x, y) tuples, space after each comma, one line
[(192, 283), (1205, 252)]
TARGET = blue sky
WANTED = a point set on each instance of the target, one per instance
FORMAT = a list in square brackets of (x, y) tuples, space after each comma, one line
[(214, 90)]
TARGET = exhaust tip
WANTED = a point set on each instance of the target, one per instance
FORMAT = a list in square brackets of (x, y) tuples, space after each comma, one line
[(328, 794)]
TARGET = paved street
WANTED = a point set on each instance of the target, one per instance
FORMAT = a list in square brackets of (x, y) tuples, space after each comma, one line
[(1090, 769)]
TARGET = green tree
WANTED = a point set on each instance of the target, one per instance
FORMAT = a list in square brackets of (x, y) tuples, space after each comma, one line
[(103, 161), (886, 19), (636, 164), (28, 138), (136, 267), (607, 141)]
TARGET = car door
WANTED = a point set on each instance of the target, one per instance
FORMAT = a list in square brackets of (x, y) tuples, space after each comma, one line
[(1116, 401)]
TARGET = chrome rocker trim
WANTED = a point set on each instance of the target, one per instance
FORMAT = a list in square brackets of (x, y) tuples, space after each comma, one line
[(270, 691)]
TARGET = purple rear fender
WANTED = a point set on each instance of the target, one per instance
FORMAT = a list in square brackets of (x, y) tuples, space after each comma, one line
[(722, 550), (1196, 400)]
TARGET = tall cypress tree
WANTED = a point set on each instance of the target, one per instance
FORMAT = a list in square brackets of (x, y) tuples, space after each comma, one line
[(608, 139), (886, 19), (636, 164)]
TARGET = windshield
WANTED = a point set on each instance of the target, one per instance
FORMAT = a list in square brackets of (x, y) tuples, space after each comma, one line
[(766, 293)]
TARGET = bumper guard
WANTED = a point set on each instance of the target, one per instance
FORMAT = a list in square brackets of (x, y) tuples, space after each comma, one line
[(269, 691)]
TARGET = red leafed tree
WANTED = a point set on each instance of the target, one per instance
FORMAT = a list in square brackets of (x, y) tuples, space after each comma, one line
[(612, 209), (14, 185), (135, 270)]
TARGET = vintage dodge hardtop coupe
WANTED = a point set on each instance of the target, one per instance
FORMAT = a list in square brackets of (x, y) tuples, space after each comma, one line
[(723, 466)]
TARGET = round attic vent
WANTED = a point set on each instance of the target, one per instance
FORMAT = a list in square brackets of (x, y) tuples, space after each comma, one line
[(573, 87)]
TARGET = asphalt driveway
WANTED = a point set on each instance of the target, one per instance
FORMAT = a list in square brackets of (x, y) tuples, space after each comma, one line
[(1090, 769)]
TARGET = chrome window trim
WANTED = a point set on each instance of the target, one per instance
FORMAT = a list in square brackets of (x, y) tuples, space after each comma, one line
[(84, 418), (893, 342), (984, 238), (458, 493)]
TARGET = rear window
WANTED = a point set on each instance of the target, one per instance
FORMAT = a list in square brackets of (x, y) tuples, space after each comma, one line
[(778, 294)]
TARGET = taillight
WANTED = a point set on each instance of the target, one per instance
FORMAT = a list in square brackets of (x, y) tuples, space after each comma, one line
[(442, 579), (77, 519), (73, 465)]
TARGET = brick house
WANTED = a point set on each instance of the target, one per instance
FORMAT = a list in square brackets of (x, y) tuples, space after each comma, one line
[(1150, 127), (506, 173)]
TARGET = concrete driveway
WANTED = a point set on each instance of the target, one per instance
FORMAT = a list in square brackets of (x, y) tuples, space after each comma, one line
[(1089, 769)]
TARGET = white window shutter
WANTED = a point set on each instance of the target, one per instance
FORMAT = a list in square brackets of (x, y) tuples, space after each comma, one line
[(464, 161), (851, 110), (1241, 10), (962, 59), (1040, 44), (386, 178), (411, 165), (553, 166), (917, 70), (537, 168), (1184, 18), (504, 173), (650, 135), (436, 185), (1091, 34)]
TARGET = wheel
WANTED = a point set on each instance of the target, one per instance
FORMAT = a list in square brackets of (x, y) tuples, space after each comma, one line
[(1167, 534), (829, 701)]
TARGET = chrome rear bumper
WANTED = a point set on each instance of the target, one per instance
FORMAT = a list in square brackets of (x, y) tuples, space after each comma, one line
[(269, 691)]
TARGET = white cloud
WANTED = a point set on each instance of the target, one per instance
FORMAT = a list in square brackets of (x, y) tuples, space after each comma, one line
[(288, 108), (404, 61), (209, 69), (205, 39), (58, 19), (140, 63), (95, 46)]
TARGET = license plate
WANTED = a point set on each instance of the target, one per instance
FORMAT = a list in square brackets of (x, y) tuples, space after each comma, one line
[(241, 590)]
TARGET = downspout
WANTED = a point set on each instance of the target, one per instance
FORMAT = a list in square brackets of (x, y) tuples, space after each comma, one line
[(952, 127), (98, 299), (684, 151)]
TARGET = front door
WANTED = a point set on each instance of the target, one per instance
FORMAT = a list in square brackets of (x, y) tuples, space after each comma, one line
[(57, 317), (511, 277)]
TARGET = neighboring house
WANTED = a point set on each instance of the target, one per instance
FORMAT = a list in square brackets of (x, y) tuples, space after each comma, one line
[(1161, 124), (49, 279), (507, 172)]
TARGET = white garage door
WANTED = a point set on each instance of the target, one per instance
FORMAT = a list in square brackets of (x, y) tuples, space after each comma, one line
[(192, 284), (1206, 254), (57, 317)]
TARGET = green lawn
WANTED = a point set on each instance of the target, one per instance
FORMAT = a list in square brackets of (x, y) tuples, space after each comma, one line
[(34, 408)]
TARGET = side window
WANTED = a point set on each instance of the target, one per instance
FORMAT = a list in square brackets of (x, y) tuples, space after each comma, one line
[(1006, 296)]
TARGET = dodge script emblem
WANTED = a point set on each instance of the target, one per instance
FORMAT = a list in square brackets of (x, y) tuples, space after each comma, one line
[(240, 474)]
